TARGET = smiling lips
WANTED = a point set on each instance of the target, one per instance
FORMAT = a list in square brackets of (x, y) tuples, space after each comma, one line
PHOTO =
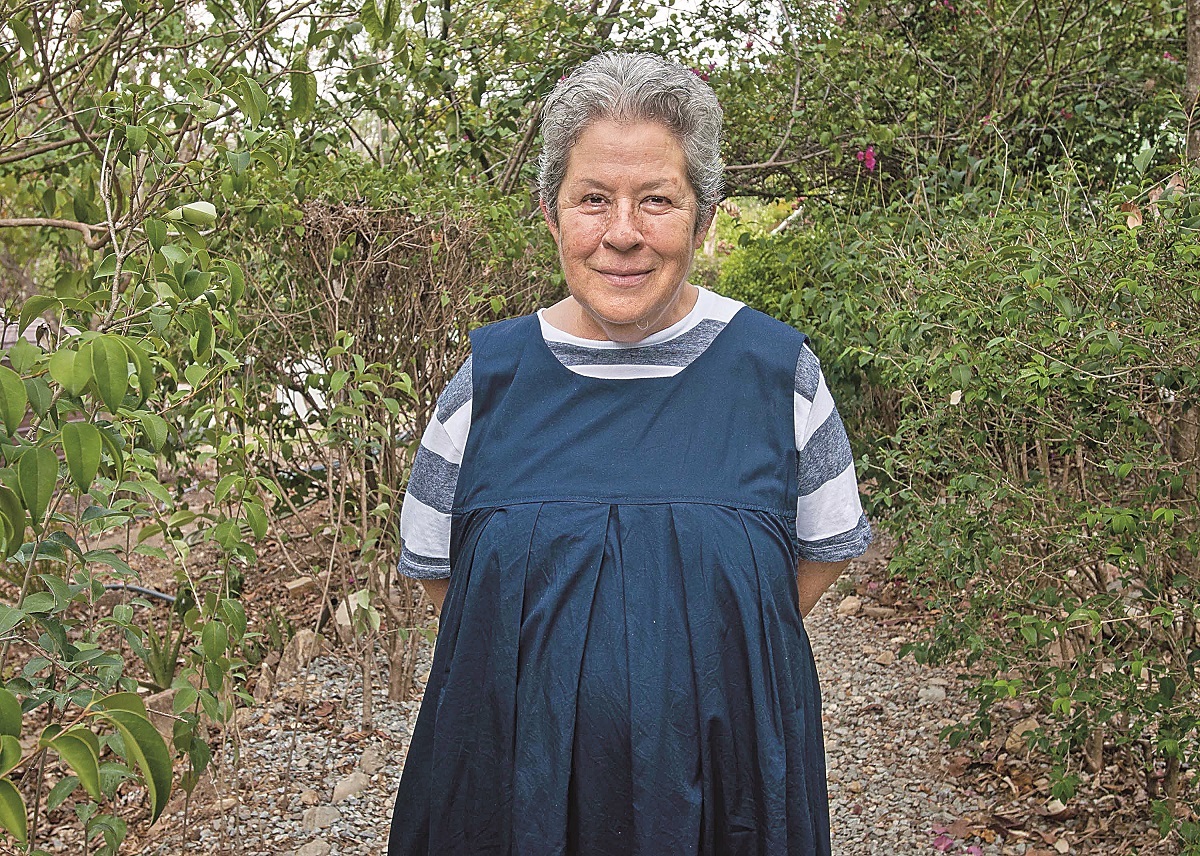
[(624, 279)]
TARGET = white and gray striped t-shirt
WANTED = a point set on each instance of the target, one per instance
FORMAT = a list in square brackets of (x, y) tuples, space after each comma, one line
[(830, 524)]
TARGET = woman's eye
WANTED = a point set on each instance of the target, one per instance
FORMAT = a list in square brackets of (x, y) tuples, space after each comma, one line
[(657, 201), (593, 199)]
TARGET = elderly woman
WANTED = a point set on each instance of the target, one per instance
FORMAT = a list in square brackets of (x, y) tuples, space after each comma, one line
[(627, 502)]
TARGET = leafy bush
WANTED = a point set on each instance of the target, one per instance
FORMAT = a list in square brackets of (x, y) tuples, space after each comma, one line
[(1025, 387)]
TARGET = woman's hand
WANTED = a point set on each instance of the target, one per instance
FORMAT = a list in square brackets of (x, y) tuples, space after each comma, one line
[(813, 578), (435, 590)]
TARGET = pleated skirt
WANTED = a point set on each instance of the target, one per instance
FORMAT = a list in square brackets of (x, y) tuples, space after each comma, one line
[(624, 679)]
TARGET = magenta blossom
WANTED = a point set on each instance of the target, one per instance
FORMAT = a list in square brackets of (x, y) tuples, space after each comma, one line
[(867, 157), (703, 75), (1169, 55)]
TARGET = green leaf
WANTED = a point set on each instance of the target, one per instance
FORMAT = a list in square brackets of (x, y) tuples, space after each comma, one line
[(135, 137), (10, 753), (12, 528), (304, 93), (144, 746), (39, 395), (12, 811), (175, 255), (10, 617), (156, 233), (71, 372), (82, 445), (13, 400), (131, 702), (23, 354), (37, 473), (23, 33), (107, 268), (79, 756), (34, 307), (110, 369), (372, 23), (257, 518), (215, 639), (60, 792), (155, 429), (195, 213), (145, 371), (10, 714)]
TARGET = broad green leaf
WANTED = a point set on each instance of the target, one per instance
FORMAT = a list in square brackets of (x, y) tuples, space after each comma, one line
[(10, 617), (144, 369), (12, 525), (372, 23), (60, 792), (34, 307), (156, 233), (110, 369), (82, 760), (155, 429), (82, 445), (13, 400), (215, 639), (23, 354), (72, 369), (196, 213), (12, 811), (10, 714), (131, 702), (23, 33), (195, 374), (10, 753), (107, 268), (135, 137), (39, 394), (144, 746), (37, 473), (304, 93), (175, 255), (257, 518)]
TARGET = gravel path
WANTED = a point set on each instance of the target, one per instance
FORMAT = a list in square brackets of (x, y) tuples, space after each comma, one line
[(310, 782)]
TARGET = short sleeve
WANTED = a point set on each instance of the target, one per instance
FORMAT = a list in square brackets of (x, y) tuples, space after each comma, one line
[(425, 514), (830, 523)]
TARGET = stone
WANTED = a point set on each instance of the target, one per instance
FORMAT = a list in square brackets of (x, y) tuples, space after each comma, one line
[(300, 585), (850, 605), (371, 761), (316, 847), (885, 658), (931, 694), (319, 817), (310, 797), (878, 611), (298, 653), (350, 786), (160, 707), (264, 686), (1016, 737), (1062, 846)]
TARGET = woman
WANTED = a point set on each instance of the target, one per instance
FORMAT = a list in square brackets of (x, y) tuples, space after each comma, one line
[(627, 501)]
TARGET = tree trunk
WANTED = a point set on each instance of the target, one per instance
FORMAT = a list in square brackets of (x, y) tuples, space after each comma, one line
[(1192, 86)]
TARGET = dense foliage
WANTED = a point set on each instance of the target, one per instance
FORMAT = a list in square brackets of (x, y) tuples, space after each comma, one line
[(241, 245)]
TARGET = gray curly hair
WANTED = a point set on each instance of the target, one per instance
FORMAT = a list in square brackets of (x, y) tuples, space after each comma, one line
[(631, 87)]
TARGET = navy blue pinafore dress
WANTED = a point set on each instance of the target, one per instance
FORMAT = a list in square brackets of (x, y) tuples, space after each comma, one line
[(621, 667)]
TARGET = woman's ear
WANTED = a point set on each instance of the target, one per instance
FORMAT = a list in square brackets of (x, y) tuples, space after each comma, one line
[(549, 220), (702, 232)]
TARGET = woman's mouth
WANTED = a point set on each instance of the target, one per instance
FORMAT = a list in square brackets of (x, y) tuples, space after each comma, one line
[(625, 278)]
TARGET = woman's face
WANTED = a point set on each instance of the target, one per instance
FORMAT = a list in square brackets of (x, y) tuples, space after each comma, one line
[(626, 230)]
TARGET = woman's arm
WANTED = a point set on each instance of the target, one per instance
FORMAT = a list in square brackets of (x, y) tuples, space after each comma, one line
[(813, 578), (435, 590)]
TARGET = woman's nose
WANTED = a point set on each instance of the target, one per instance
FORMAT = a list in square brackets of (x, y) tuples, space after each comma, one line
[(624, 230)]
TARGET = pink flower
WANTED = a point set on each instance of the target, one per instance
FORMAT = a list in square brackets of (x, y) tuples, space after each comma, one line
[(1169, 55), (986, 120), (749, 44), (867, 158), (703, 75), (943, 843)]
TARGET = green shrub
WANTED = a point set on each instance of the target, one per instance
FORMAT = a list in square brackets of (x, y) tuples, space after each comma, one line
[(1025, 387)]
